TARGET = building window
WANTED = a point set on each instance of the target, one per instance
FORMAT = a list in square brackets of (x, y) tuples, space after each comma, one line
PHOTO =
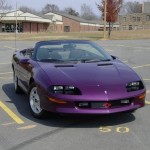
[(135, 27), (124, 27), (124, 19), (138, 19), (134, 19), (148, 18), (66, 28), (11, 27), (130, 27)]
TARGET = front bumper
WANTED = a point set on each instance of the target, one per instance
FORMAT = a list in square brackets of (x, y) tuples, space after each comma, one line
[(70, 107), (96, 111)]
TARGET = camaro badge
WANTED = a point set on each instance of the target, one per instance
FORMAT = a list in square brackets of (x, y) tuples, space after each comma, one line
[(105, 92), (107, 105)]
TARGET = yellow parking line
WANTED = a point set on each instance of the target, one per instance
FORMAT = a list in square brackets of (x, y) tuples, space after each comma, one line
[(147, 65), (147, 92), (146, 79), (27, 127), (109, 50), (133, 47), (142, 48), (6, 73), (6, 78), (125, 61), (10, 113), (5, 63), (146, 102), (7, 124), (10, 47)]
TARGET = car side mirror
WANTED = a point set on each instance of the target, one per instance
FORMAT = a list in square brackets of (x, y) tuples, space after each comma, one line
[(24, 61), (114, 57)]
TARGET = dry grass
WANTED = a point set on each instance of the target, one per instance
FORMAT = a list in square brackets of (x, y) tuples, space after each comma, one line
[(136, 34), (51, 36)]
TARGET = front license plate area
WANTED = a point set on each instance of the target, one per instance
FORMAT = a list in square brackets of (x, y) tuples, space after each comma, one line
[(97, 105)]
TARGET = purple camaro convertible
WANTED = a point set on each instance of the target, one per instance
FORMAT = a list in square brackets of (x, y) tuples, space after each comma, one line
[(76, 77)]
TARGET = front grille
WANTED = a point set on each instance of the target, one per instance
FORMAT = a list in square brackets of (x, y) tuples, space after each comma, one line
[(104, 104)]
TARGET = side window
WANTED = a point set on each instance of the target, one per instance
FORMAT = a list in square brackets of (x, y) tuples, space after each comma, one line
[(27, 53)]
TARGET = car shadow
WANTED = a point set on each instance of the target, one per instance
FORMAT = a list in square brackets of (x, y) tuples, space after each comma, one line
[(63, 121)]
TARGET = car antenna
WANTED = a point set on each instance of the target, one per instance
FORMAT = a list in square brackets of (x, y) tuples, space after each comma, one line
[(16, 31)]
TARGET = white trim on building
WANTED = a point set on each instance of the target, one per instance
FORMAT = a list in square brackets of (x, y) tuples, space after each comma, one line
[(57, 17), (21, 16)]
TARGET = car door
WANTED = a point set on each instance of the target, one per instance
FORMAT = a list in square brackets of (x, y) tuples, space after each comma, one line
[(23, 70)]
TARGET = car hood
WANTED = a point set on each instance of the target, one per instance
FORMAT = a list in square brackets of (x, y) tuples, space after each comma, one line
[(93, 77)]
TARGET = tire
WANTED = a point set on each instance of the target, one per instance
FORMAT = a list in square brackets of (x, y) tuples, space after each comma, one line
[(34, 102), (18, 90), (130, 112)]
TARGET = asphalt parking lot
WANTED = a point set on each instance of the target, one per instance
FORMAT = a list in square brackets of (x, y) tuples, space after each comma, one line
[(20, 131)]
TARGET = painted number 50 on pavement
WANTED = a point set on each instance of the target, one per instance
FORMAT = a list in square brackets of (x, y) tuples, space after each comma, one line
[(117, 129)]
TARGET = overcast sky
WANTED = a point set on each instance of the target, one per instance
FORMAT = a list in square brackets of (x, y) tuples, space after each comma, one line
[(38, 4)]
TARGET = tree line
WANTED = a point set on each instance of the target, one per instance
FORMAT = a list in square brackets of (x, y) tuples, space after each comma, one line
[(86, 10)]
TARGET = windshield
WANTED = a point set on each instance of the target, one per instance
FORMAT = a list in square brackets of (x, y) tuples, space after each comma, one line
[(74, 51)]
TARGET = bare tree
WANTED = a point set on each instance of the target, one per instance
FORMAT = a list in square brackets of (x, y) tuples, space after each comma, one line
[(27, 9), (70, 11), (50, 8), (132, 7), (113, 9), (4, 7), (87, 12)]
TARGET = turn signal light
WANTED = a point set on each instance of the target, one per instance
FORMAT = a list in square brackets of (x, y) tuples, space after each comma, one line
[(142, 96), (54, 100)]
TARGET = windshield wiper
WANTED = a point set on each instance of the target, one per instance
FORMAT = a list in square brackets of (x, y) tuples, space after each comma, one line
[(90, 60), (106, 60), (94, 60), (51, 60)]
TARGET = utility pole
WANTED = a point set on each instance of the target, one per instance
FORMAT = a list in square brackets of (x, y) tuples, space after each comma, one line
[(105, 16), (16, 31), (16, 18)]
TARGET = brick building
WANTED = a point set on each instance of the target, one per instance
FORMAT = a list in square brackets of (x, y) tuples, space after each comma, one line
[(73, 24), (136, 21), (52, 22), (26, 22)]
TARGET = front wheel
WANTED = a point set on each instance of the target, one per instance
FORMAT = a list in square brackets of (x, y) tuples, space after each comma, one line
[(34, 102)]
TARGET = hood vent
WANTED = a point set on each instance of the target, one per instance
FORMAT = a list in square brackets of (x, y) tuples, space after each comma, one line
[(61, 66), (106, 64)]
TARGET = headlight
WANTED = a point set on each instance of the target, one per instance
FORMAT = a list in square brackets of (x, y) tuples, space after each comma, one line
[(61, 89), (134, 86)]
